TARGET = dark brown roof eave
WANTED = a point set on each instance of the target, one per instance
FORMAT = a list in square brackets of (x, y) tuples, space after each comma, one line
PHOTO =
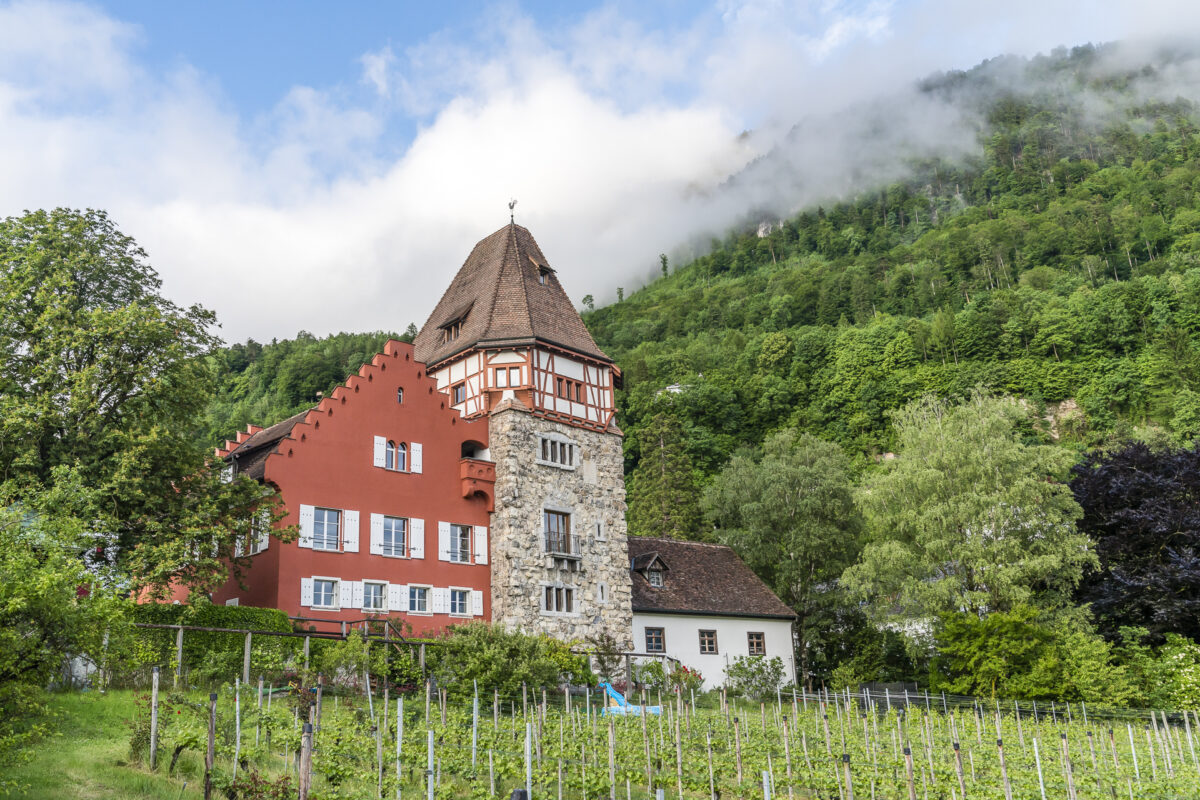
[(519, 342), (695, 613)]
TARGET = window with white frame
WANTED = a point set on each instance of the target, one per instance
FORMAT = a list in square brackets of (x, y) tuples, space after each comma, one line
[(325, 593), (395, 536), (326, 528), (507, 377), (374, 596), (558, 599), (460, 602), (395, 456), (655, 577), (418, 599), (460, 544), (556, 451)]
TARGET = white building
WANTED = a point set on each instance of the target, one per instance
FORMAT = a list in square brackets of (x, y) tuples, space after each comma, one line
[(699, 603)]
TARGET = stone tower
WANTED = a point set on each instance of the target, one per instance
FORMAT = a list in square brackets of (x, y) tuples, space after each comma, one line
[(504, 341)]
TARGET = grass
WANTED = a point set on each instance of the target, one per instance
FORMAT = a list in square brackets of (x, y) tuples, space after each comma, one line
[(87, 756)]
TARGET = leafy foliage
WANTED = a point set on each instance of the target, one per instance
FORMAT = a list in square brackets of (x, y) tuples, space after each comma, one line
[(791, 515), (756, 677), (499, 659), (1142, 509), (969, 517)]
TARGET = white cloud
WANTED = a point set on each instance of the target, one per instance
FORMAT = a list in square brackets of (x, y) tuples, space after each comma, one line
[(614, 138)]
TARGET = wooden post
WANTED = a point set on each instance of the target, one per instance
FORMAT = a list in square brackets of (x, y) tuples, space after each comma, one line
[(212, 745), (306, 638), (612, 759), (258, 718), (908, 773), (378, 760), (305, 778), (246, 659), (154, 720), (237, 724), (628, 677), (429, 763), (528, 761), (712, 786), (678, 748), (178, 654), (1066, 756), (737, 740), (1003, 764)]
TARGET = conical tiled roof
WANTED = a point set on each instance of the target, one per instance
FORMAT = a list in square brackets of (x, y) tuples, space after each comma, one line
[(505, 294)]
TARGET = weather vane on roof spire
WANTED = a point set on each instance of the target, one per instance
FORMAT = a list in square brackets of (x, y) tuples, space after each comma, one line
[(511, 205)]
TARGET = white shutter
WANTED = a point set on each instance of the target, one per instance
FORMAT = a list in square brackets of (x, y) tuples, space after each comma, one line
[(359, 594), (443, 541), (397, 597), (376, 547), (416, 549), (481, 544), (307, 514), (415, 453), (380, 451), (441, 601), (237, 547), (264, 530), (476, 603), (306, 591), (347, 594), (350, 534)]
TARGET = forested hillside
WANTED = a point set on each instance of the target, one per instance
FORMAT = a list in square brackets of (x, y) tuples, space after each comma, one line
[(1061, 266)]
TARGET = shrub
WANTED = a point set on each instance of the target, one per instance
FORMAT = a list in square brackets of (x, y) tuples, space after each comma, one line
[(757, 677), (503, 660)]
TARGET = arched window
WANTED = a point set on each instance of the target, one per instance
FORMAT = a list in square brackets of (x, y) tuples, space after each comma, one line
[(396, 456), (399, 394)]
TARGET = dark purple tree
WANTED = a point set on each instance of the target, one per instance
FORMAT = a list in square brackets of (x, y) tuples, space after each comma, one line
[(1142, 509)]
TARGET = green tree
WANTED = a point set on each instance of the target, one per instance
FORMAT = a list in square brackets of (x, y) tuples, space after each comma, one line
[(664, 499), (791, 516), (101, 382), (969, 517)]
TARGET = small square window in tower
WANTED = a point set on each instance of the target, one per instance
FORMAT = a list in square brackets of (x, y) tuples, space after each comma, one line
[(559, 540)]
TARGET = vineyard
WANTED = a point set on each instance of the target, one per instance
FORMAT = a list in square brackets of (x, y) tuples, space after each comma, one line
[(266, 742)]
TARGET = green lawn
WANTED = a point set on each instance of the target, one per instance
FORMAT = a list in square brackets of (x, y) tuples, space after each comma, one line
[(87, 757)]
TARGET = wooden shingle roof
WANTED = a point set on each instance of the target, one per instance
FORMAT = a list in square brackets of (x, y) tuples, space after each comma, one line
[(701, 578), (505, 294)]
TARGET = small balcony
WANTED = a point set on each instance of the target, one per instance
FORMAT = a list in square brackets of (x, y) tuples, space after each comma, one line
[(563, 545), (478, 477)]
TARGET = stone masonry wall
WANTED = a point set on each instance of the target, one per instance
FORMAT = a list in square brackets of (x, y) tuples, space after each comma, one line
[(594, 491)]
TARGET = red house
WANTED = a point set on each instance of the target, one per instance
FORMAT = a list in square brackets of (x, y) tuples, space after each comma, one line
[(390, 489)]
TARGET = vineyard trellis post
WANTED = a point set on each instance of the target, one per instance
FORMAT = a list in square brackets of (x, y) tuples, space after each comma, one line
[(1037, 760), (178, 655), (306, 743), (212, 745), (429, 765), (246, 658), (154, 720)]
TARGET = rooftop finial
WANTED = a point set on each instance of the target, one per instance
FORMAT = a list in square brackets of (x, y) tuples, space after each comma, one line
[(511, 205)]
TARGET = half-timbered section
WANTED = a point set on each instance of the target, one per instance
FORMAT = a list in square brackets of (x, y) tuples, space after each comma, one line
[(504, 341), (391, 491)]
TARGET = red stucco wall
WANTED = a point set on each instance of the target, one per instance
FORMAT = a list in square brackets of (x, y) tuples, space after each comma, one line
[(328, 461)]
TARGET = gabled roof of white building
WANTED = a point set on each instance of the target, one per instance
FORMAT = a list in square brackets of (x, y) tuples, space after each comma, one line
[(698, 578)]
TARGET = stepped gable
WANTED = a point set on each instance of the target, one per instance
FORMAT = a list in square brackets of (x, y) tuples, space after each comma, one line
[(254, 446), (699, 578), (500, 299)]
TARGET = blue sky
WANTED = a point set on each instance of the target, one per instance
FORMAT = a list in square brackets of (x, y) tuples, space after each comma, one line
[(321, 166)]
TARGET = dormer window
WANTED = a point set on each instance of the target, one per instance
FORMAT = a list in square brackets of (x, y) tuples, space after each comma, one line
[(543, 275), (452, 328), (451, 331), (655, 577)]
